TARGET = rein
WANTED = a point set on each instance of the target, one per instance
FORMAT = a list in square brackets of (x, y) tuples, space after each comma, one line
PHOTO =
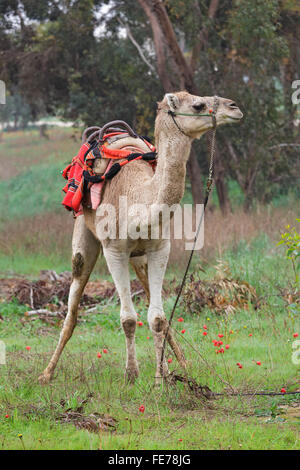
[(208, 190)]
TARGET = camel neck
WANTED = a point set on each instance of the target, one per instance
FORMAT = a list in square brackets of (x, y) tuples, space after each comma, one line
[(169, 179)]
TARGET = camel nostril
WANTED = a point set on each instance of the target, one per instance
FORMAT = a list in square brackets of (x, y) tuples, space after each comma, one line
[(233, 105)]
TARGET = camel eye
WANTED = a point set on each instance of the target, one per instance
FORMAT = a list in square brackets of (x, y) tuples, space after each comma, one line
[(199, 106)]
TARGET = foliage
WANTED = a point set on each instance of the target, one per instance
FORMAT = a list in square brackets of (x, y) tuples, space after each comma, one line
[(16, 112), (74, 58), (291, 241)]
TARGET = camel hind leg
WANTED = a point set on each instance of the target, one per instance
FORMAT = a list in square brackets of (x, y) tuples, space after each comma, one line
[(85, 251), (140, 266), (118, 265)]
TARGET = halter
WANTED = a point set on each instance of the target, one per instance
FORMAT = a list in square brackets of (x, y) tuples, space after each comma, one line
[(212, 114)]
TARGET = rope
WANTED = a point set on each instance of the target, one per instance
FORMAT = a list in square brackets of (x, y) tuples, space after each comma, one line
[(206, 392), (253, 394), (208, 190)]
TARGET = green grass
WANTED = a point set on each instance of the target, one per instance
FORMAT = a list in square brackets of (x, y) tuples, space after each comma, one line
[(32, 192), (36, 163), (30, 186), (172, 412), (30, 265)]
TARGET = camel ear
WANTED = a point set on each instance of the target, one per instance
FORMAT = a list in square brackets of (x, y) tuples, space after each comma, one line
[(172, 101)]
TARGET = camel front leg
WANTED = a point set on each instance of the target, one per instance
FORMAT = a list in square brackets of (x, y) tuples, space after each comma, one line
[(157, 263), (85, 249), (118, 265)]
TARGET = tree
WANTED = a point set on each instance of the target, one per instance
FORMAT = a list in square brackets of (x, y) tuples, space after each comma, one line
[(247, 51), (16, 113)]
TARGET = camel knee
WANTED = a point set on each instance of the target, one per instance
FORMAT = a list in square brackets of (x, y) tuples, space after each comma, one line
[(158, 324), (77, 265), (129, 327), (69, 324)]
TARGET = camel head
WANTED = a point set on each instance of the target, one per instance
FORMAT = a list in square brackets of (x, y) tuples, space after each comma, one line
[(183, 104)]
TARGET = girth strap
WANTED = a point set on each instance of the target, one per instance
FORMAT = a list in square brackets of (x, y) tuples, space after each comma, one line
[(116, 167)]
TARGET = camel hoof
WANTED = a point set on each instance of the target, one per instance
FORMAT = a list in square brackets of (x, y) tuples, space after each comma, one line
[(45, 378), (131, 375)]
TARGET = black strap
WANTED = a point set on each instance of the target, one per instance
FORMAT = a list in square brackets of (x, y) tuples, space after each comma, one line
[(172, 114), (116, 167)]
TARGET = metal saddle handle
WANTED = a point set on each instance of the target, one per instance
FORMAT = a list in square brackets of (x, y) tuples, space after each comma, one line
[(99, 131), (86, 131)]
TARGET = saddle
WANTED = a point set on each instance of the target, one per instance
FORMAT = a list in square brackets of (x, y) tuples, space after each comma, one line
[(100, 157)]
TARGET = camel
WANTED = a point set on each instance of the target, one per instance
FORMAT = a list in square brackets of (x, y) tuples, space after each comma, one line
[(139, 184)]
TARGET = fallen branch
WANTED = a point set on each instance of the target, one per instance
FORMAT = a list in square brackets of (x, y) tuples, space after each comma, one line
[(138, 292), (200, 391), (43, 312)]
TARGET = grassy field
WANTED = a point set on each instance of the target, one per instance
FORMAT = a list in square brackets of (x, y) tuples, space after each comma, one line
[(35, 230), (171, 413), (35, 234)]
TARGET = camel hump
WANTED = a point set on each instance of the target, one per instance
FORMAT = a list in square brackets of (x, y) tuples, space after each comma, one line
[(132, 143)]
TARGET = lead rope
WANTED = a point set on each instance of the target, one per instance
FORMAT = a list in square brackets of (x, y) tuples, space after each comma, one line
[(209, 183)]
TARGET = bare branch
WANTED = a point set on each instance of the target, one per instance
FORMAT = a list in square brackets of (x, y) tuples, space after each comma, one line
[(235, 158), (213, 9), (159, 44), (282, 146), (160, 22), (203, 34), (142, 55)]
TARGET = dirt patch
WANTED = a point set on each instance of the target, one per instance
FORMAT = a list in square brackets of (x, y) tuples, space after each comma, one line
[(100, 289)]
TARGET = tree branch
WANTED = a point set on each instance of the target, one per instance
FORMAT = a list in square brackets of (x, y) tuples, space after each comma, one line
[(158, 39), (203, 35), (235, 158), (159, 19), (212, 10), (139, 49), (282, 146)]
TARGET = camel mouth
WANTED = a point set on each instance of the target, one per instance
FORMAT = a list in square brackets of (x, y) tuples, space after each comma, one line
[(237, 116)]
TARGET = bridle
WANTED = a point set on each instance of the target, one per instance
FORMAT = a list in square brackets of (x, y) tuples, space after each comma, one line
[(212, 113)]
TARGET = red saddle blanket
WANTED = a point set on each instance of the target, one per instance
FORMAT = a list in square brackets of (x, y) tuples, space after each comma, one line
[(83, 161)]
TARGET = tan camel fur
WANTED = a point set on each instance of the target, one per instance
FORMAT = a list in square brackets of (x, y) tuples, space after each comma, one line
[(137, 182)]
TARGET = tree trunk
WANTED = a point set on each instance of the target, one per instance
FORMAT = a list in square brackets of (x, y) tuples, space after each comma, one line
[(183, 68), (220, 182), (194, 174), (163, 33), (247, 201), (43, 131), (159, 45)]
